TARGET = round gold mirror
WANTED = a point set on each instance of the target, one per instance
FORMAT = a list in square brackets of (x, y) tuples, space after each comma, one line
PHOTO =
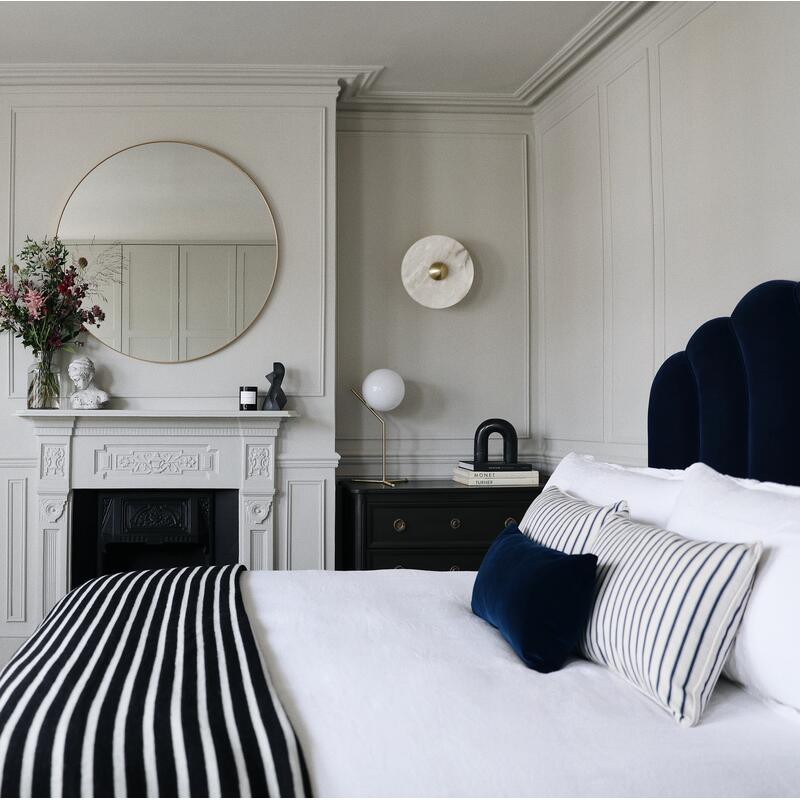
[(181, 243)]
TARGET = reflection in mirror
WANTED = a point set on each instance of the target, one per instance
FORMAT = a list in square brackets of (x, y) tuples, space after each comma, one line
[(182, 243)]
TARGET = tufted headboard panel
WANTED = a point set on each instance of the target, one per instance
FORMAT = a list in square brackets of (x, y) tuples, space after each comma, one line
[(732, 398)]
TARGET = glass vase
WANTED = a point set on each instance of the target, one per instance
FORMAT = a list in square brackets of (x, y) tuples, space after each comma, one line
[(44, 383)]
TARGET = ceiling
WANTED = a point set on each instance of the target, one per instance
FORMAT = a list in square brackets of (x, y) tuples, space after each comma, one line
[(483, 47)]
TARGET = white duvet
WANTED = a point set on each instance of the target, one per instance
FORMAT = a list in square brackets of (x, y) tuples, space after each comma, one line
[(394, 687)]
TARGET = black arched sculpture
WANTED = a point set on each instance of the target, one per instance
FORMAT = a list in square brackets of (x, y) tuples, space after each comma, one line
[(481, 450)]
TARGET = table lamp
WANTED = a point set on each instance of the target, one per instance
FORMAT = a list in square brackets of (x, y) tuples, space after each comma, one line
[(382, 390)]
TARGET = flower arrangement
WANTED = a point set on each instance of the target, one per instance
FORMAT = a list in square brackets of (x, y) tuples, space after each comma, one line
[(41, 303)]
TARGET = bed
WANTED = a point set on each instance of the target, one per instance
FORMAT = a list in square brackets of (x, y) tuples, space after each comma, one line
[(385, 683), (396, 688)]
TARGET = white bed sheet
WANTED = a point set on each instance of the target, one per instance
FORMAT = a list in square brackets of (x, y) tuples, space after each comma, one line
[(395, 688)]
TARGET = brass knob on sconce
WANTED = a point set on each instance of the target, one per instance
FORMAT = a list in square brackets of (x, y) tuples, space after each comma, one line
[(438, 270)]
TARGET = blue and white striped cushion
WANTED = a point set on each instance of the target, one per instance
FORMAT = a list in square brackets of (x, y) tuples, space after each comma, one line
[(562, 522), (666, 611)]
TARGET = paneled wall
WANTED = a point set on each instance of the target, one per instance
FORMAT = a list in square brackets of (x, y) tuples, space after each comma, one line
[(402, 177), (284, 137), (667, 175), (653, 188)]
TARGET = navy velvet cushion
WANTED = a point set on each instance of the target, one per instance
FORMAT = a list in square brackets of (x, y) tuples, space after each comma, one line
[(539, 599)]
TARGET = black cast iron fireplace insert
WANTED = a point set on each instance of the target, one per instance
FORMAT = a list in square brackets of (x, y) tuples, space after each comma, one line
[(121, 530)]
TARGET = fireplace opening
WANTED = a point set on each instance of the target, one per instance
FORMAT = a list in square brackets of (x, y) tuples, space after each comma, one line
[(122, 530)]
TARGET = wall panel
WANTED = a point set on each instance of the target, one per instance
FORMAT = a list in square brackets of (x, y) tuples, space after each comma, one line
[(692, 200), (282, 143), (572, 272), (731, 164), (403, 177), (630, 223), (15, 555), (305, 504)]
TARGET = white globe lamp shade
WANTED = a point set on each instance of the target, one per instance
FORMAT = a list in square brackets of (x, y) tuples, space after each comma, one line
[(383, 389)]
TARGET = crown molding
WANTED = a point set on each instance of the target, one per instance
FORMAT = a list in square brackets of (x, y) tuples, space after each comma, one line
[(613, 19), (354, 84), (331, 77)]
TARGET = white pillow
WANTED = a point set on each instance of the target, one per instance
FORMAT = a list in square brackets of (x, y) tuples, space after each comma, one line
[(666, 610), (650, 497), (766, 655), (764, 486), (658, 472), (556, 520)]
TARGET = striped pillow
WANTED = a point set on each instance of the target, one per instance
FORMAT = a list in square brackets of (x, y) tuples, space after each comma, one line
[(666, 611), (562, 522)]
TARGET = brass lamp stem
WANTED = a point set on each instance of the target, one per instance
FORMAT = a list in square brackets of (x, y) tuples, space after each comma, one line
[(384, 480)]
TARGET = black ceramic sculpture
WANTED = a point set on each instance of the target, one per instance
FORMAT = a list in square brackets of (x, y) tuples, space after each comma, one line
[(509, 436), (275, 398)]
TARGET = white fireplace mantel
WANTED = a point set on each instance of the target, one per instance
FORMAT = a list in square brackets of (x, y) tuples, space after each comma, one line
[(146, 449), (103, 413)]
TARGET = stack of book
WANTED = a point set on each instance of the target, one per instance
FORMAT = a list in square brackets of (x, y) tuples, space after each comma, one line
[(495, 474)]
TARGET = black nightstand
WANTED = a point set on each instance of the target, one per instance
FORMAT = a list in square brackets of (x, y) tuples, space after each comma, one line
[(423, 524)]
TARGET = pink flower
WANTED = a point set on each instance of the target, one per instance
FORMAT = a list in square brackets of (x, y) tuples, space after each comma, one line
[(7, 290), (34, 302)]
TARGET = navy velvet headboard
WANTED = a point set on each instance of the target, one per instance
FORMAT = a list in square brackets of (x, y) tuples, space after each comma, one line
[(732, 398)]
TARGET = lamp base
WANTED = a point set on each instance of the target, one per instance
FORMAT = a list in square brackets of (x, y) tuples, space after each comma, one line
[(391, 482)]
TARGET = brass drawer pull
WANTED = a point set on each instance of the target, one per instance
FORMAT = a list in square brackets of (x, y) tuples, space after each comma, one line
[(455, 523), (399, 566), (455, 568), (510, 521), (399, 525)]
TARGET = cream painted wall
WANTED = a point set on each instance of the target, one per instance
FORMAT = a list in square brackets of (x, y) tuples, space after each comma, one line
[(662, 183), (668, 184), (402, 177), (284, 137)]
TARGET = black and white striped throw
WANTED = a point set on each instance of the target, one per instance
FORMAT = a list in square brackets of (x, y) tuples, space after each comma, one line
[(146, 684)]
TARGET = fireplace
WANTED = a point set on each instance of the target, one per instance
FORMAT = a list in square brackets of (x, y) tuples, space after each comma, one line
[(227, 455), (117, 531)]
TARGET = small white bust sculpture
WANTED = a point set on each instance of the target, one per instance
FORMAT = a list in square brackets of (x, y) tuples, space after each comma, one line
[(86, 394)]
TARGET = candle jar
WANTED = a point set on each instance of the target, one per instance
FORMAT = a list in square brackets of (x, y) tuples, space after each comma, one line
[(248, 398)]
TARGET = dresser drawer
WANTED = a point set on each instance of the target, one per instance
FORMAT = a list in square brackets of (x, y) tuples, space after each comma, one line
[(422, 524), (441, 561), (431, 524)]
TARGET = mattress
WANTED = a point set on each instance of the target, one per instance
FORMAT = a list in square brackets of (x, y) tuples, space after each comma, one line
[(395, 688)]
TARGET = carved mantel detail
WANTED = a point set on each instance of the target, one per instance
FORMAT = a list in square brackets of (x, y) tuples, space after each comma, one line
[(258, 510), (258, 461), (53, 461), (51, 508), (151, 461), (158, 461)]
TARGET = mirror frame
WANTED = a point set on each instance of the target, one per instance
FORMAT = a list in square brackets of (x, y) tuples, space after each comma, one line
[(270, 216)]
